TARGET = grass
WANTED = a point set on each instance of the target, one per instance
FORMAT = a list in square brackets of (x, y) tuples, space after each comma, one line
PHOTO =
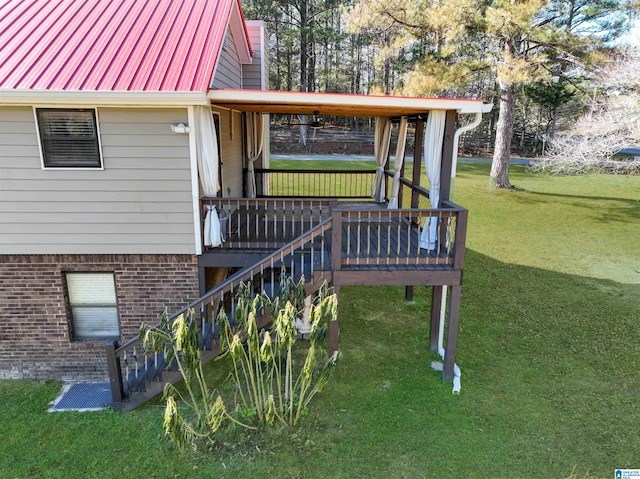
[(549, 348)]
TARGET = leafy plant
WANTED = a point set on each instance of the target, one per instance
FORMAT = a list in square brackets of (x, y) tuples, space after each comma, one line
[(180, 344), (274, 380)]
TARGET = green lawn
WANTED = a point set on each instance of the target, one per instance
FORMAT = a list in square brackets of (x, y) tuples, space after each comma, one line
[(549, 348)]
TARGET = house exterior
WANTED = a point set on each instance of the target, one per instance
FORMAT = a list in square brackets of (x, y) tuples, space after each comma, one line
[(134, 177), (125, 71)]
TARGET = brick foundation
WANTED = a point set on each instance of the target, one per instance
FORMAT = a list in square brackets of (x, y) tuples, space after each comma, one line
[(35, 338)]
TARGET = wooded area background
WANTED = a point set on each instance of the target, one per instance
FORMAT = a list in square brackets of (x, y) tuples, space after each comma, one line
[(534, 60)]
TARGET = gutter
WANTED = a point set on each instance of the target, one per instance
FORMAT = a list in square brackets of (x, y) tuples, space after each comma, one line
[(11, 97), (457, 386), (456, 140)]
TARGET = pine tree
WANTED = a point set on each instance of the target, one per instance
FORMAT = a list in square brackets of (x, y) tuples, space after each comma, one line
[(519, 41)]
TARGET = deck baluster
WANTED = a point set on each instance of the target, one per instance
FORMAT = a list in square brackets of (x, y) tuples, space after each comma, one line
[(284, 220), (368, 235), (322, 251), (238, 216), (137, 366), (359, 224), (275, 220), (388, 237), (262, 279), (272, 280), (348, 224), (378, 248), (408, 255), (398, 228), (127, 370)]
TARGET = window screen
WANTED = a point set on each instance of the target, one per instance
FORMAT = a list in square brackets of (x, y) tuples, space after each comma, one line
[(94, 313), (69, 138)]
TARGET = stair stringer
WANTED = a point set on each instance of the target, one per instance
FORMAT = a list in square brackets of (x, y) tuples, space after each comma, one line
[(148, 388)]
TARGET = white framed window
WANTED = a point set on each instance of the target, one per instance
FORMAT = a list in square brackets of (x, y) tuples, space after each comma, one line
[(69, 138), (94, 309)]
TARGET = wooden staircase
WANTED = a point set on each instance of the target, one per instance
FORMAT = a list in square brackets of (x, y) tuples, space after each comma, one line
[(136, 376), (345, 245)]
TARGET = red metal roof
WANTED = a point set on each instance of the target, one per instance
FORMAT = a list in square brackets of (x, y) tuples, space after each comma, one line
[(111, 45)]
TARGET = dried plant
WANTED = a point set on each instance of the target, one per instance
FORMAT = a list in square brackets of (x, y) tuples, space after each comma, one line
[(272, 382)]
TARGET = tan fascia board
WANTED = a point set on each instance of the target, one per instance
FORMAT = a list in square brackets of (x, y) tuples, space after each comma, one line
[(101, 98), (416, 104), (237, 27)]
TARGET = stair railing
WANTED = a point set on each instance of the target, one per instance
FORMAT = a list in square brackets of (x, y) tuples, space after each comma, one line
[(137, 375)]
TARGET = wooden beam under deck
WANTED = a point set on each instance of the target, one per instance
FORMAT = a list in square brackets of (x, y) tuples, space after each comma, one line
[(236, 259), (396, 278)]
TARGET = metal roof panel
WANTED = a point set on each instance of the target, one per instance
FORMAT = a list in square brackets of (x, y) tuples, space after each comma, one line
[(111, 45)]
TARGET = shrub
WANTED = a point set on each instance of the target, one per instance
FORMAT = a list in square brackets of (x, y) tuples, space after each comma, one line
[(274, 379)]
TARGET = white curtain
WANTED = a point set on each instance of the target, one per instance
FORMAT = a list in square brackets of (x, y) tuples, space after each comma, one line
[(381, 147), (208, 162), (254, 138), (434, 137), (399, 161)]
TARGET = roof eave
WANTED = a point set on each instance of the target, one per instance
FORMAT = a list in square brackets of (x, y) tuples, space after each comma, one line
[(339, 104), (102, 98)]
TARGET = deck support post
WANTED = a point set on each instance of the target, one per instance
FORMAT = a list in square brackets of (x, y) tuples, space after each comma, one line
[(408, 293), (202, 280), (336, 240), (334, 327), (336, 265), (115, 375), (447, 155), (452, 333), (417, 160), (415, 179), (434, 329)]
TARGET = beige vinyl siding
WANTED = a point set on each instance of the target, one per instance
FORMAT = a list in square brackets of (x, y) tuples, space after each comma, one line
[(140, 203), (228, 73), (231, 152), (255, 74)]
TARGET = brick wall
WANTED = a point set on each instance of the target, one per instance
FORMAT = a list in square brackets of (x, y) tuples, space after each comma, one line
[(35, 337)]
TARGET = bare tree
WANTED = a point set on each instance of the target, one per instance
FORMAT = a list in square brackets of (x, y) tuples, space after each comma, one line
[(612, 123)]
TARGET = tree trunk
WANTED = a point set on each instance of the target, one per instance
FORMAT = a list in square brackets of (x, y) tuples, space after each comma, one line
[(504, 132), (304, 46), (303, 129), (554, 119)]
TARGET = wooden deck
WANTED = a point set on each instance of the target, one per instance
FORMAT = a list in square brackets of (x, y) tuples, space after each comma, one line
[(372, 237), (393, 243), (322, 239)]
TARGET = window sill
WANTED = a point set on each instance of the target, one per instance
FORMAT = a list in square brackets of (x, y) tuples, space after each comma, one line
[(80, 344)]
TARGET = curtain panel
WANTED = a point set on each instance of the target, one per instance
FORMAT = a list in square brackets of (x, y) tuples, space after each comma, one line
[(381, 147), (434, 137), (254, 139), (398, 163), (208, 164)]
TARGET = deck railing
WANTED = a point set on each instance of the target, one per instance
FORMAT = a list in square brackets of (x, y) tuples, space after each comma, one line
[(136, 375), (338, 184), (265, 222), (394, 237), (357, 238), (345, 184)]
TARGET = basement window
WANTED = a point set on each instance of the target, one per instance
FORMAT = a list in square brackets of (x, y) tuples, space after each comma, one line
[(92, 301), (69, 138)]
